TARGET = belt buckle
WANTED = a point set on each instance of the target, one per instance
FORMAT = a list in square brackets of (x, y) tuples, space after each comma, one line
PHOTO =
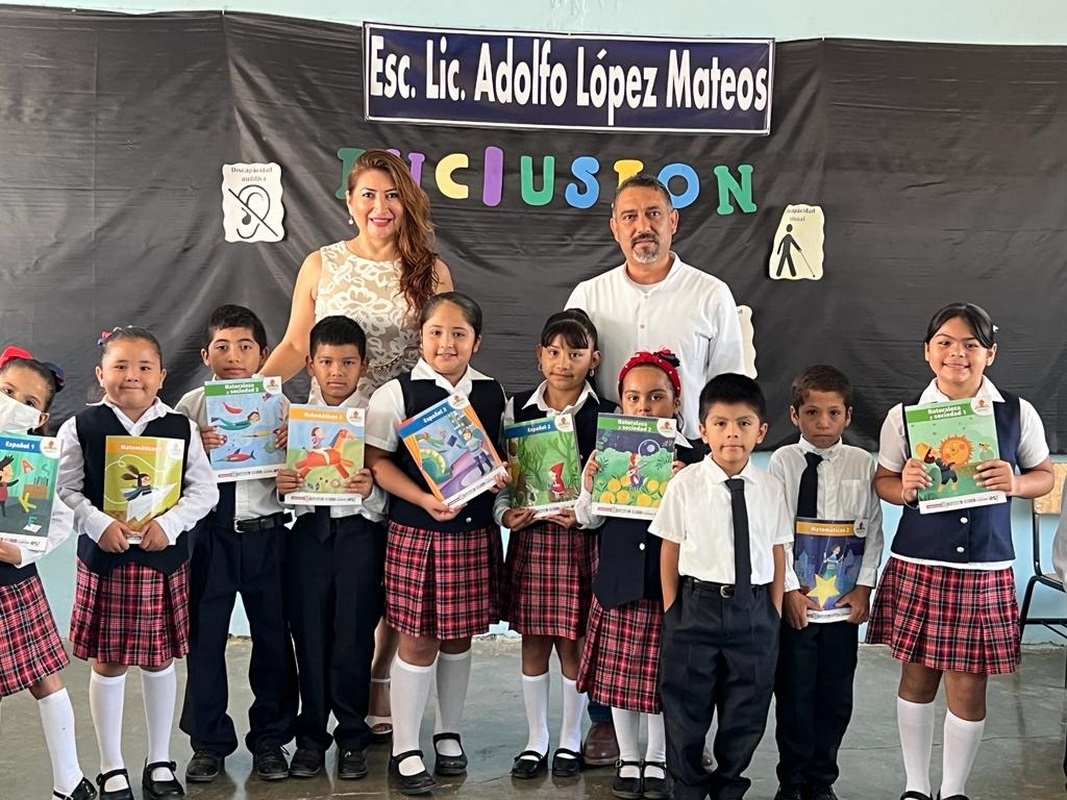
[(237, 526), (726, 591)]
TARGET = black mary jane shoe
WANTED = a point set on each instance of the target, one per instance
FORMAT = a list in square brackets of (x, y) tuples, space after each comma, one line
[(126, 793), (83, 791), (161, 790), (627, 788), (656, 788), (410, 785), (566, 763), (953, 797), (448, 766), (529, 764), (910, 795)]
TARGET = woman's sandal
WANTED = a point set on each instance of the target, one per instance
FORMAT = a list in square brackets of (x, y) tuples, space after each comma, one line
[(381, 728)]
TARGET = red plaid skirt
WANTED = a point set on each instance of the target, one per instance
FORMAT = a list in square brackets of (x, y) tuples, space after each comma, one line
[(620, 661), (550, 572), (134, 615), (30, 647), (961, 620), (442, 585)]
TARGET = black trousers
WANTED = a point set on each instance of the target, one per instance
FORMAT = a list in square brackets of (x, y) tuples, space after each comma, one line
[(223, 563), (813, 693), (335, 600), (716, 658)]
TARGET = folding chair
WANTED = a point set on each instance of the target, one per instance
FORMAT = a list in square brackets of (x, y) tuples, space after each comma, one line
[(1048, 505)]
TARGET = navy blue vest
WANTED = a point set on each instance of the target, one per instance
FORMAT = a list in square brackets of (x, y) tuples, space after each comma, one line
[(978, 534), (10, 574), (629, 554), (584, 419), (487, 399), (94, 425)]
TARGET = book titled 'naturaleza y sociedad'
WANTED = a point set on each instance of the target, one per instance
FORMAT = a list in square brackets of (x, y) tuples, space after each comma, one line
[(635, 455), (544, 465), (951, 439), (325, 449), (248, 413), (28, 467), (142, 478), (450, 445)]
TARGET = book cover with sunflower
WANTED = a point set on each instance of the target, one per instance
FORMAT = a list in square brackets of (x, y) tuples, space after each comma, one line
[(951, 439), (635, 455), (543, 464)]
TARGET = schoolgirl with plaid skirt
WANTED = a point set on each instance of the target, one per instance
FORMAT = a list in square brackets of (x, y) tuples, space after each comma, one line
[(443, 565), (132, 593), (946, 601), (31, 652)]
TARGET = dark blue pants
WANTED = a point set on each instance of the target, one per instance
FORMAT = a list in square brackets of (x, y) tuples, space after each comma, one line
[(717, 658)]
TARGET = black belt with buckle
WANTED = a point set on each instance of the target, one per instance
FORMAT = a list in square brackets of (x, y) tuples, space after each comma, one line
[(262, 523), (722, 589)]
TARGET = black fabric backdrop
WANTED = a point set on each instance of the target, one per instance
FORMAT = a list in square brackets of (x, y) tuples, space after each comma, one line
[(940, 170)]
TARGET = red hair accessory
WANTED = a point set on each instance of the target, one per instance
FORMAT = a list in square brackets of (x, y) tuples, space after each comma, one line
[(13, 352), (663, 359)]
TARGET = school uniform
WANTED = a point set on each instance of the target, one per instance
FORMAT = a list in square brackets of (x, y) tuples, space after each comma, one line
[(240, 549), (335, 557), (549, 569), (817, 664), (947, 595), (442, 579), (132, 607), (720, 639), (30, 646)]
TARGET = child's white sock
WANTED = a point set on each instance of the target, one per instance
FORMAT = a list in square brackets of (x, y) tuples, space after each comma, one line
[(453, 678), (407, 695), (535, 698), (656, 750), (106, 699), (962, 740), (57, 719), (915, 722), (627, 731), (160, 694), (570, 729)]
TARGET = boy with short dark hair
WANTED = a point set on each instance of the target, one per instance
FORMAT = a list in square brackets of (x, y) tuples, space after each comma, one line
[(335, 564), (725, 525), (240, 548), (829, 484)]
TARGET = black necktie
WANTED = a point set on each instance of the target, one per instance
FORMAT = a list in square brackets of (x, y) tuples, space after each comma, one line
[(808, 496), (227, 505), (742, 556), (322, 523)]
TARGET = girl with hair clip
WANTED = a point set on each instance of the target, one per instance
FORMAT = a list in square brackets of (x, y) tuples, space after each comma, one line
[(31, 652), (131, 602), (620, 660)]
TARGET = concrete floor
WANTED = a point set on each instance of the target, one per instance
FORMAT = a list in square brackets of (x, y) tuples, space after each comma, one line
[(1020, 757)]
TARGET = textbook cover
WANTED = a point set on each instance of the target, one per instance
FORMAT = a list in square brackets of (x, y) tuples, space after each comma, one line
[(142, 478), (544, 465), (951, 439), (325, 448), (450, 445), (248, 413), (635, 455), (28, 468), (827, 556)]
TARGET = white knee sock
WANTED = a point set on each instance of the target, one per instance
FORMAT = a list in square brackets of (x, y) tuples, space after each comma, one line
[(106, 699), (916, 724), (407, 695), (656, 750), (570, 729), (962, 740), (627, 731), (535, 698), (160, 694), (57, 719), (453, 678)]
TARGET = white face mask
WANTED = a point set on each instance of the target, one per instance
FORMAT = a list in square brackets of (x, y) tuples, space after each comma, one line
[(16, 417)]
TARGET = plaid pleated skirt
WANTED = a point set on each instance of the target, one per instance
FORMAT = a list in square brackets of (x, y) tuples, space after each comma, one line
[(134, 615), (30, 647), (443, 585), (620, 660), (549, 572), (961, 620)]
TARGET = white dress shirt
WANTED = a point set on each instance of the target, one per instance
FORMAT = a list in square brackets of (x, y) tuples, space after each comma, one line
[(199, 492), (690, 312), (846, 492), (696, 513)]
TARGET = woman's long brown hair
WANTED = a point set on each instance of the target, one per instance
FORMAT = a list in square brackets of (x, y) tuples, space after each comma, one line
[(414, 241)]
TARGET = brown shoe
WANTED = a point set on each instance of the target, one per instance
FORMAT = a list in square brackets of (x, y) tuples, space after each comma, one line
[(601, 748)]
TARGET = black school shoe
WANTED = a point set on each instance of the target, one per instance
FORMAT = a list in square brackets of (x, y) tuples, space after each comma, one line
[(823, 793), (792, 793), (204, 767), (447, 766), (410, 785), (125, 793), (653, 788), (909, 795), (566, 763), (270, 764), (627, 788), (83, 791), (351, 764), (526, 767), (161, 790), (307, 762)]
